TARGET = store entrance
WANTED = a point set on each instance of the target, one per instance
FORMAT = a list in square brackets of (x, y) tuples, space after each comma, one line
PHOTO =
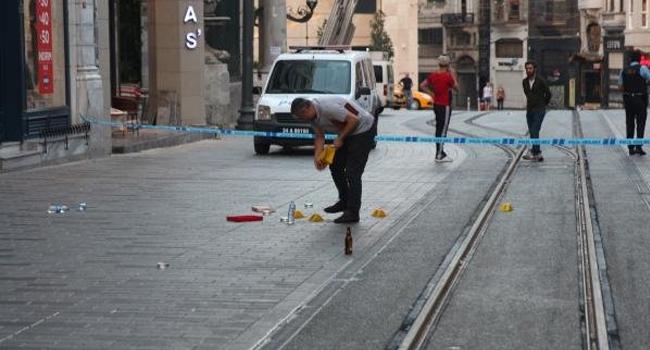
[(128, 93), (593, 92)]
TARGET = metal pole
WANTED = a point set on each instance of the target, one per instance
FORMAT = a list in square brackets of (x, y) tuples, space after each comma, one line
[(247, 111)]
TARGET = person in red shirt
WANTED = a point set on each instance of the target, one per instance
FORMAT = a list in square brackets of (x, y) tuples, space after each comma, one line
[(439, 84)]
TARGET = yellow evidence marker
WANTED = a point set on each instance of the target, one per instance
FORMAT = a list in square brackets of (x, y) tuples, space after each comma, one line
[(505, 207)]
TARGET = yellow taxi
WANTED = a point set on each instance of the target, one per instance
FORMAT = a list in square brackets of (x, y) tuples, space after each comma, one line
[(420, 100)]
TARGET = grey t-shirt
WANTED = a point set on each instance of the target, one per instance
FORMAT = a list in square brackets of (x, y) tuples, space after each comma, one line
[(331, 112)]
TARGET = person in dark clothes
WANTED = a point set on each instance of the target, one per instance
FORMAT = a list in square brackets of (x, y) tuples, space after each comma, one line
[(407, 85), (538, 96), (633, 82), (353, 125)]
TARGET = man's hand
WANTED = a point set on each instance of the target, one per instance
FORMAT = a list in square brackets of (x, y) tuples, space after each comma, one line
[(319, 164)]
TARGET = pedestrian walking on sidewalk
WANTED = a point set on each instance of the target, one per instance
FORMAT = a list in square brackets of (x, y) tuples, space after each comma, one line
[(501, 96), (538, 96), (439, 84), (353, 125), (407, 85), (633, 82)]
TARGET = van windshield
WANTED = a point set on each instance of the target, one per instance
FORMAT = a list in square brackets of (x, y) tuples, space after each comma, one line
[(308, 76)]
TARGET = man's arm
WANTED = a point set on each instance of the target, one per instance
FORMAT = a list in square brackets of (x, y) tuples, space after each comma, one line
[(454, 79), (645, 73), (620, 82), (425, 87), (349, 124), (319, 143), (547, 92)]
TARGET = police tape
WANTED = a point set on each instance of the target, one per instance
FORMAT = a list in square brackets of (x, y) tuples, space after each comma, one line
[(384, 138)]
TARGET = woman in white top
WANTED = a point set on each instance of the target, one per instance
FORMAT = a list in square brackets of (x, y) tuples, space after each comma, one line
[(487, 96)]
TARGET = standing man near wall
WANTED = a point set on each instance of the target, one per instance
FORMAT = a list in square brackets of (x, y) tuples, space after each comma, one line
[(439, 85), (633, 82), (538, 96), (353, 125)]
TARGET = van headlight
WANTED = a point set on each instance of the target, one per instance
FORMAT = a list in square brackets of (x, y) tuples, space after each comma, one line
[(263, 112)]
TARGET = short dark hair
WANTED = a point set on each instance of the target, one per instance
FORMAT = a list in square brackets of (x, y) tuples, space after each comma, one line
[(635, 56), (532, 63), (299, 104)]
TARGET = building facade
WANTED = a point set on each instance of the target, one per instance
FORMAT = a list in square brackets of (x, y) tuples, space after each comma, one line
[(150, 60), (51, 75), (637, 29), (430, 37), (508, 49), (553, 39), (401, 24), (460, 22)]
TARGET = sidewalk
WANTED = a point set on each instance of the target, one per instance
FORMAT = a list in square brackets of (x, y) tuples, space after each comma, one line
[(88, 280), (131, 141)]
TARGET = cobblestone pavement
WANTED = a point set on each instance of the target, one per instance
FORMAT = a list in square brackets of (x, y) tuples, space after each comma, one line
[(87, 280)]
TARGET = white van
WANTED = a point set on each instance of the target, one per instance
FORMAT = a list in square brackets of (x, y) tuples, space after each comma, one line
[(385, 81), (311, 72)]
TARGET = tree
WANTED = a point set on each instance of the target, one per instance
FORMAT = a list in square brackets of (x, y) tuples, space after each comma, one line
[(321, 29), (379, 39)]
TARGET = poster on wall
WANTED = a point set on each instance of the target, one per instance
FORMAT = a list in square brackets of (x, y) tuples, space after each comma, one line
[(44, 46)]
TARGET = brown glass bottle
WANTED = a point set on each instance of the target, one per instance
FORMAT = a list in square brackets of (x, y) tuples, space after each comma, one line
[(348, 242)]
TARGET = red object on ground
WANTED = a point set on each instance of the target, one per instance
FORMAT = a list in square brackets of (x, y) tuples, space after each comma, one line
[(244, 218)]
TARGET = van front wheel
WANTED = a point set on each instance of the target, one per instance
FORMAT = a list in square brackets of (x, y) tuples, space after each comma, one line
[(262, 148)]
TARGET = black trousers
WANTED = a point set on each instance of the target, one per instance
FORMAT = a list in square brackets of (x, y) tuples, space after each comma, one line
[(348, 166), (443, 115), (636, 113), (499, 104)]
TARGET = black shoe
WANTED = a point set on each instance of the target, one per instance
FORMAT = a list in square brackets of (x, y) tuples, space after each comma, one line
[(336, 208), (640, 151), (632, 151), (347, 218)]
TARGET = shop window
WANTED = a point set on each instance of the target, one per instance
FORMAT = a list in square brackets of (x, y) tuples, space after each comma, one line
[(644, 13), (509, 48), (366, 6), (44, 35)]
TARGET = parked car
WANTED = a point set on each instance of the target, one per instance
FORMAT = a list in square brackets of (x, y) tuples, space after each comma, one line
[(421, 100), (385, 80), (309, 73)]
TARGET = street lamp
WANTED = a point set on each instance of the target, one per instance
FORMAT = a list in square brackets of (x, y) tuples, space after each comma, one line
[(247, 110), (302, 15)]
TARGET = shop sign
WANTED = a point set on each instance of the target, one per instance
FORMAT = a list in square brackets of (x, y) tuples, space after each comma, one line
[(191, 38), (44, 46), (614, 43)]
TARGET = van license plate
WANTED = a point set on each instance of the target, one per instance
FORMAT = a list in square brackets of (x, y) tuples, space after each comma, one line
[(296, 130)]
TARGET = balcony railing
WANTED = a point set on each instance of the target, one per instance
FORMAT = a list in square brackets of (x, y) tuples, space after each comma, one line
[(457, 19)]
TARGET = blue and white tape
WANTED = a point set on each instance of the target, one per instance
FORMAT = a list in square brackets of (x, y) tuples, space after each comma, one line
[(392, 138)]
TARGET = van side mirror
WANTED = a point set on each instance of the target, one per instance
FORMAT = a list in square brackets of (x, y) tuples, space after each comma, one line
[(257, 90), (362, 91)]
